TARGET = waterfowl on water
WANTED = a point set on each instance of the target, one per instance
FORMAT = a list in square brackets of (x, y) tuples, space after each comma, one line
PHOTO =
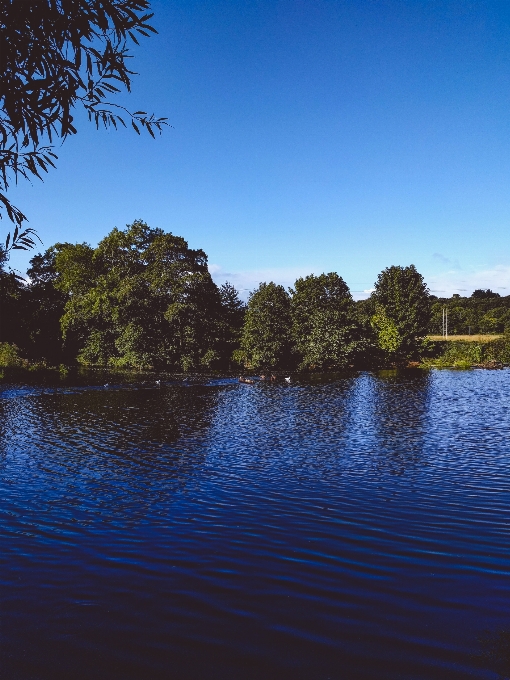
[(287, 379)]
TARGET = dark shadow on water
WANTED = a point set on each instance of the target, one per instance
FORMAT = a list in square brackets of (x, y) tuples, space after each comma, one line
[(95, 448), (495, 652)]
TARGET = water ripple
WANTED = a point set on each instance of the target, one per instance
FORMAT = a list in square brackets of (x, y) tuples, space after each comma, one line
[(350, 528)]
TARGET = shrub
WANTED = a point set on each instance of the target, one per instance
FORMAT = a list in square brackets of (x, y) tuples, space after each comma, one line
[(9, 355)]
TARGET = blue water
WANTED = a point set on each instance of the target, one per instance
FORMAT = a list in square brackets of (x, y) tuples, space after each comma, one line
[(350, 527)]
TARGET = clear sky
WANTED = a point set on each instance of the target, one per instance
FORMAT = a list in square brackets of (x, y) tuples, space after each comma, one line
[(308, 136)]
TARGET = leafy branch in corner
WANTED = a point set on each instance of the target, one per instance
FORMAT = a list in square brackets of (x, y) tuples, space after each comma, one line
[(56, 55)]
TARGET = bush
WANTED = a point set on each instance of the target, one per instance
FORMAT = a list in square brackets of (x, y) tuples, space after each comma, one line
[(464, 354), (499, 350), (458, 354), (9, 355)]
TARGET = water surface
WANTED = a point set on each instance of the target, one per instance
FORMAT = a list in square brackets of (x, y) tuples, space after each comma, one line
[(355, 527)]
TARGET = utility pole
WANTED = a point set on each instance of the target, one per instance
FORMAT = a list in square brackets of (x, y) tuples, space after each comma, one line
[(445, 322)]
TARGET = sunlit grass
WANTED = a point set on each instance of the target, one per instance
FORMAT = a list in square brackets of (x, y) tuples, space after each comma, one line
[(468, 338)]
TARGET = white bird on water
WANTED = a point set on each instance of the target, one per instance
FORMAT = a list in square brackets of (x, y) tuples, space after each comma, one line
[(287, 379)]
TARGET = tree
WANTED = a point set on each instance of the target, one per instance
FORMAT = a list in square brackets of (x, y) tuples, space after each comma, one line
[(44, 309), (55, 56), (482, 294), (14, 299), (12, 308), (495, 320), (232, 318), (402, 312), (141, 298), (323, 324), (266, 337)]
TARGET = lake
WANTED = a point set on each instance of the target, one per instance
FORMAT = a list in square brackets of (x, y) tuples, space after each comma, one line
[(351, 527)]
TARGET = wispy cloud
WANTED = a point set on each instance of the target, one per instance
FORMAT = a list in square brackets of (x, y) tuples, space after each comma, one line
[(442, 258), (465, 282), (248, 280), (445, 284)]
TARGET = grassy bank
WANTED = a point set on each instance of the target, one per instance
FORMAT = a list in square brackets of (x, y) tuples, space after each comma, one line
[(442, 353), (467, 352)]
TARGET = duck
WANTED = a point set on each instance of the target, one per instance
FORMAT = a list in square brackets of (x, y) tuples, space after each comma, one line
[(287, 379)]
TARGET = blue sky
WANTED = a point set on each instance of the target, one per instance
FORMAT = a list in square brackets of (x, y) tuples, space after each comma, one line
[(308, 136)]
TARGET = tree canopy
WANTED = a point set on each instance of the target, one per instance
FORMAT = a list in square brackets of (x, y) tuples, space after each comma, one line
[(484, 294), (323, 326), (43, 307), (141, 298), (56, 55), (402, 311), (266, 337), (471, 315)]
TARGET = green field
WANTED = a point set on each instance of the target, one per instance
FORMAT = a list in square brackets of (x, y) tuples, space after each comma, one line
[(464, 338)]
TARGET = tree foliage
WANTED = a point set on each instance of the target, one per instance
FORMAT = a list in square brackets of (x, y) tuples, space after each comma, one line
[(484, 294), (43, 309), (402, 312), (141, 298), (9, 355), (12, 308), (323, 322), (266, 337), (56, 55), (471, 315), (232, 319)]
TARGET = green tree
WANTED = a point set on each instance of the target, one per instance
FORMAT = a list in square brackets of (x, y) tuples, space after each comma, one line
[(12, 308), (324, 330), (141, 298), (402, 312), (458, 317), (266, 337), (9, 355), (484, 294), (44, 309), (56, 56), (232, 319), (495, 320)]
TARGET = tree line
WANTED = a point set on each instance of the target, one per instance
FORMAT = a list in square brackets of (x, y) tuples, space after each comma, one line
[(142, 298), (483, 312)]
